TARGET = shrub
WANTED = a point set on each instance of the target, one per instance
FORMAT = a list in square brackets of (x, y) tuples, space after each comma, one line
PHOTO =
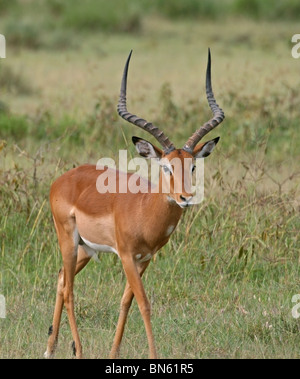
[(13, 82), (112, 16), (13, 126), (22, 34)]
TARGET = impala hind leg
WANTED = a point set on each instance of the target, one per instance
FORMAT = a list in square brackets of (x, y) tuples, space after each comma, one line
[(124, 309), (133, 274), (82, 260), (54, 328)]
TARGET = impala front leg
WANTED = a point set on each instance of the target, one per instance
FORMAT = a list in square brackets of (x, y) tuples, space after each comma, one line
[(136, 285)]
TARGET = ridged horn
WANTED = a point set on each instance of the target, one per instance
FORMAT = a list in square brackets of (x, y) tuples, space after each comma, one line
[(140, 122), (218, 114)]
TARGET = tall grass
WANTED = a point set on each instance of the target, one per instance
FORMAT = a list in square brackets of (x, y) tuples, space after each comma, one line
[(230, 268), (13, 82)]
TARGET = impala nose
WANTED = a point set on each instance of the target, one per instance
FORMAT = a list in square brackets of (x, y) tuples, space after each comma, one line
[(186, 199)]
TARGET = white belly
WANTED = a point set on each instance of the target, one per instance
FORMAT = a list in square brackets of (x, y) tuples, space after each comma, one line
[(93, 248)]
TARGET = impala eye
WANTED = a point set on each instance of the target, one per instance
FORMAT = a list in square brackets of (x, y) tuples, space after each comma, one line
[(167, 170)]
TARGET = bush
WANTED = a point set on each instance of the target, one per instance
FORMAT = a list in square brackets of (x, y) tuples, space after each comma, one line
[(22, 34), (13, 126), (3, 107), (267, 9), (112, 16), (6, 5), (176, 9), (13, 82)]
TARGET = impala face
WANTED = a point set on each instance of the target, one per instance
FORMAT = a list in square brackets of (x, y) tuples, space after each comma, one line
[(177, 168), (176, 177)]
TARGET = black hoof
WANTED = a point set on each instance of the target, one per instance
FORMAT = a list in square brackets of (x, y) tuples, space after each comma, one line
[(74, 348)]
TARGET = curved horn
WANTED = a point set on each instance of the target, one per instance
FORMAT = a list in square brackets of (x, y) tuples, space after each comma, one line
[(218, 114), (148, 126)]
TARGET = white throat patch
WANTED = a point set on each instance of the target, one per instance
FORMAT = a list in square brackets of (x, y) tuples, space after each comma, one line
[(170, 230)]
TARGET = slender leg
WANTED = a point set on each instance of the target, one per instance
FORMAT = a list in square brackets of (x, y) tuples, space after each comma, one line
[(68, 294), (136, 285), (82, 260), (124, 309), (54, 328)]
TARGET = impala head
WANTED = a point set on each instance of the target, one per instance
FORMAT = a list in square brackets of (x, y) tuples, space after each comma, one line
[(177, 164)]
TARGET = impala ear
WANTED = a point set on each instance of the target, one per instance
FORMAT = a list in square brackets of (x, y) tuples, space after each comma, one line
[(203, 150), (146, 149)]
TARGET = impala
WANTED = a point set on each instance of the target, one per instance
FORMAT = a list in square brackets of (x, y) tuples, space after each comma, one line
[(132, 225)]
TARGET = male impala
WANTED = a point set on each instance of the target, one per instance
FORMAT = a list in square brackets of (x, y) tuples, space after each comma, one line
[(132, 225)]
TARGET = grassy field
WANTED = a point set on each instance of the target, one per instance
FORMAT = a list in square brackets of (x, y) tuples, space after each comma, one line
[(222, 287)]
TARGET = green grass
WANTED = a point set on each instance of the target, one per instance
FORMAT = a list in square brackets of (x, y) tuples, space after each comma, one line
[(222, 287)]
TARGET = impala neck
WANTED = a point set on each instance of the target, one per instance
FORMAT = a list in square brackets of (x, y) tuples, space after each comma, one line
[(165, 211)]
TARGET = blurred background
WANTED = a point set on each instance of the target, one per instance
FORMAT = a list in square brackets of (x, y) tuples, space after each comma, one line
[(59, 86), (65, 59)]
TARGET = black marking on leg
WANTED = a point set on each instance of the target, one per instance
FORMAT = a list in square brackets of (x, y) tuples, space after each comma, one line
[(74, 348), (50, 331)]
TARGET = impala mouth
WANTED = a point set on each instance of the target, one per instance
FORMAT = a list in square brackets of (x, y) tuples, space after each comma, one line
[(186, 201), (184, 204)]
